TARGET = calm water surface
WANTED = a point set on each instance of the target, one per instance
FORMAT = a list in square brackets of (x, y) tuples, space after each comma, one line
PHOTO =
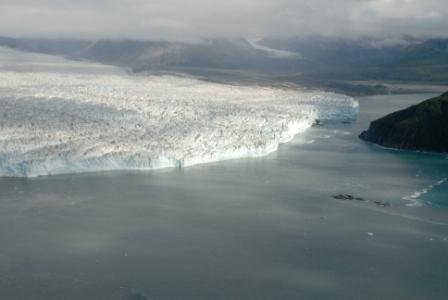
[(264, 228)]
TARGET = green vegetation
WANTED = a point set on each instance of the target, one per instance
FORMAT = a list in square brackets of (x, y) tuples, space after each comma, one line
[(422, 127)]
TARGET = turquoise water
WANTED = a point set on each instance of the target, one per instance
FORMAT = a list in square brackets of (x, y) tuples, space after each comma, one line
[(265, 228)]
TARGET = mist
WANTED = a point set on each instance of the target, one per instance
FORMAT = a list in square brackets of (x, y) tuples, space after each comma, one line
[(195, 19)]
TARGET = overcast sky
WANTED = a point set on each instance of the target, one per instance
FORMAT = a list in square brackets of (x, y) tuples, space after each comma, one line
[(192, 19)]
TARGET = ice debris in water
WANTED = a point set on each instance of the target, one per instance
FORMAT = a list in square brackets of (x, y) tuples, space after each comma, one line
[(66, 119)]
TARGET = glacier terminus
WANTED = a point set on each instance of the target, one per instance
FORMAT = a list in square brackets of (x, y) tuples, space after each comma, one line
[(60, 116)]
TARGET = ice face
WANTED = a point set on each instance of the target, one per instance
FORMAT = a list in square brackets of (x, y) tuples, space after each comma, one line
[(80, 119)]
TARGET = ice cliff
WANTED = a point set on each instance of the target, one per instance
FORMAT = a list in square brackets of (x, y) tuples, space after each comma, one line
[(58, 117)]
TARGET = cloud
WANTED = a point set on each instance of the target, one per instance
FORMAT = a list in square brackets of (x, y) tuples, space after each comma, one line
[(193, 19)]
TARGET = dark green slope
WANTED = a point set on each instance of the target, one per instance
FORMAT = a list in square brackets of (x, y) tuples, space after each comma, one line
[(422, 127)]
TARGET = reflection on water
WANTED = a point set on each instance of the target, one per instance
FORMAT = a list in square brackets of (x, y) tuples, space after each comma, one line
[(265, 228)]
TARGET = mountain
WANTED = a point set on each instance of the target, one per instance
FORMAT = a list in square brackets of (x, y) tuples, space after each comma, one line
[(65, 47), (211, 53), (406, 59), (336, 53), (235, 53), (314, 59), (422, 127), (424, 61), (430, 52)]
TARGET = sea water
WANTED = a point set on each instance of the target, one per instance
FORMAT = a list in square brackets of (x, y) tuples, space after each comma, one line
[(257, 228)]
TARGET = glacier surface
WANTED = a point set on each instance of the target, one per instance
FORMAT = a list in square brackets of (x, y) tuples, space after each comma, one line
[(59, 116)]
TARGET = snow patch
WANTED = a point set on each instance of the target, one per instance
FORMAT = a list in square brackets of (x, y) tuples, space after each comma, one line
[(275, 53)]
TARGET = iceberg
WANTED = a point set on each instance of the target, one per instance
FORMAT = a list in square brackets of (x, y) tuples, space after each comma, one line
[(62, 117)]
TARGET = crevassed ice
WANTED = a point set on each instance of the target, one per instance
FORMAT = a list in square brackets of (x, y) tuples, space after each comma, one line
[(54, 122)]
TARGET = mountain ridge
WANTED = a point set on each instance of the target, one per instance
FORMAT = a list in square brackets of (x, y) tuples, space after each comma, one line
[(317, 58)]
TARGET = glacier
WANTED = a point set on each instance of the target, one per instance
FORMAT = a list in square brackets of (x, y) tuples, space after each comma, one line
[(59, 116)]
